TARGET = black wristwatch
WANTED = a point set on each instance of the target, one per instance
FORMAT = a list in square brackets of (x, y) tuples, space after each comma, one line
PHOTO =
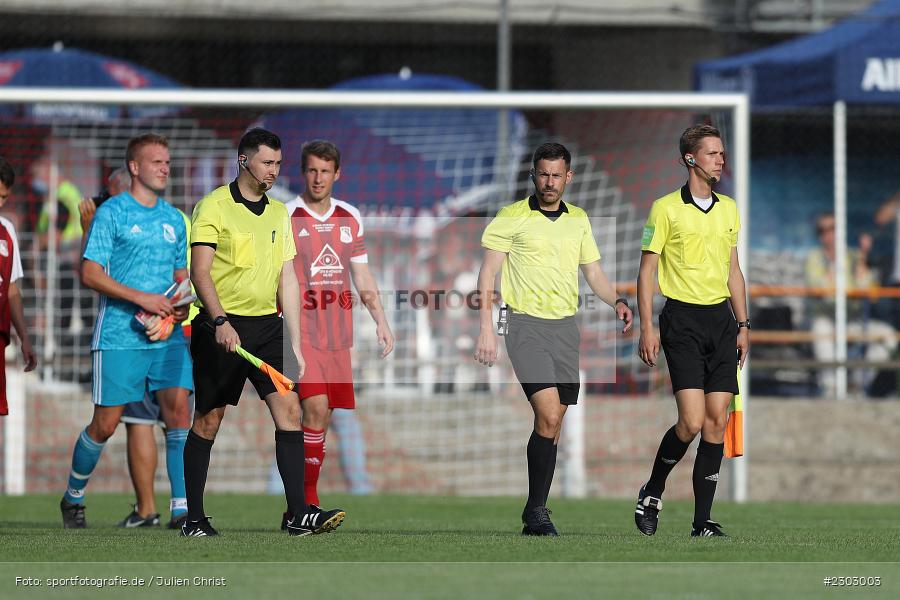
[(622, 300), (744, 324), (220, 320)]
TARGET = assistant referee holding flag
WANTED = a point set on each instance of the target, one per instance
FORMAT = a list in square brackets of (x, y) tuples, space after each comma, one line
[(242, 252), (691, 235), (540, 243)]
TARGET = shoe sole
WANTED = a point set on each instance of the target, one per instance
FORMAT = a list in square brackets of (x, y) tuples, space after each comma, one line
[(328, 526), (640, 527), (647, 533), (531, 533), (331, 524)]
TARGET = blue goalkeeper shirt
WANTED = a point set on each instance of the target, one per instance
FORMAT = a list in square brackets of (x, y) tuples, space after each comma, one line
[(141, 248)]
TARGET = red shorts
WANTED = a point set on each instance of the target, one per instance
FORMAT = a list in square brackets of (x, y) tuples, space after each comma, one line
[(328, 372)]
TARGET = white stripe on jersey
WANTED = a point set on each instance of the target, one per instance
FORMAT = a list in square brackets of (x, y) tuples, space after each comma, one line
[(16, 273)]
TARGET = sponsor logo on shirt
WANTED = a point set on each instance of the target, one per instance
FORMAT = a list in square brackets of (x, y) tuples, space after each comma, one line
[(328, 263), (136, 228), (303, 233)]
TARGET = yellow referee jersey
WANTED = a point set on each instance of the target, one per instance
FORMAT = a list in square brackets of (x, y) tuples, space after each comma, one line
[(540, 274), (250, 249), (694, 246), (187, 227)]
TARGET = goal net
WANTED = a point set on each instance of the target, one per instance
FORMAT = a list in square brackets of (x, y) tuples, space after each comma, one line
[(428, 172)]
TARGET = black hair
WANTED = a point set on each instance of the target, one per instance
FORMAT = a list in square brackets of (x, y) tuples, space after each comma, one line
[(256, 137), (7, 173), (551, 151)]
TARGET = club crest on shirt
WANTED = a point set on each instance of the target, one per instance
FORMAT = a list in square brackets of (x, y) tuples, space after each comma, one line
[(346, 236), (169, 233), (4, 248), (328, 263)]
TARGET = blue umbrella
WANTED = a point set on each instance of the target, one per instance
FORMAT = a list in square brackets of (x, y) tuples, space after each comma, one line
[(400, 158), (70, 67)]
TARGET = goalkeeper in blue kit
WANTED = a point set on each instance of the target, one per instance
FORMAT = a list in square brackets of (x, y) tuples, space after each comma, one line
[(136, 248)]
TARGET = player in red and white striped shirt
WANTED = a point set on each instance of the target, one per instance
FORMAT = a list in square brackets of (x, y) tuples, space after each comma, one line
[(331, 252), (11, 311)]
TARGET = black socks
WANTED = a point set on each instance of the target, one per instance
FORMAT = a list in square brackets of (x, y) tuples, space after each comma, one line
[(196, 468), (706, 476), (290, 456), (541, 453), (671, 450)]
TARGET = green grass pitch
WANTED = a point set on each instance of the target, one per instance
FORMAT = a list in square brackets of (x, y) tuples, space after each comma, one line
[(446, 547)]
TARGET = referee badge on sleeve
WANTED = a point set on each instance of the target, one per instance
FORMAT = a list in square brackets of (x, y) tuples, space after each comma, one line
[(649, 230)]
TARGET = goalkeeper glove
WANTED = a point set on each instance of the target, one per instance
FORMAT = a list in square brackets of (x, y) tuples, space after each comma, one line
[(159, 329)]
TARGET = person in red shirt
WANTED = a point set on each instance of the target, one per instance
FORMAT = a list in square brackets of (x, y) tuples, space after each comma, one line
[(331, 251), (11, 311)]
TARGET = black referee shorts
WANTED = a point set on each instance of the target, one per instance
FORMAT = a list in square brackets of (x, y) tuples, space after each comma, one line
[(544, 354), (219, 376), (700, 342)]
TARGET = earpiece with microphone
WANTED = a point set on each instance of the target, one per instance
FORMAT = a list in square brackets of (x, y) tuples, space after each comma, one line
[(243, 164), (690, 162)]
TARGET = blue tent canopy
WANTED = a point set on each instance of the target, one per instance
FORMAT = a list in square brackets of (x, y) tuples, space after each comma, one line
[(857, 61)]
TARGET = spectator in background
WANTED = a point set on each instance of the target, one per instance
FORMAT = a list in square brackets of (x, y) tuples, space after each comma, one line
[(67, 230), (820, 270), (887, 213), (117, 182)]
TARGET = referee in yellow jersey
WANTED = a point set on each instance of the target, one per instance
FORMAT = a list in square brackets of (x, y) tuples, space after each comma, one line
[(691, 237), (242, 252), (540, 243)]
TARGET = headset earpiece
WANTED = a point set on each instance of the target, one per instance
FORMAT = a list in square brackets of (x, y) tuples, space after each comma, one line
[(242, 162), (531, 174), (690, 160)]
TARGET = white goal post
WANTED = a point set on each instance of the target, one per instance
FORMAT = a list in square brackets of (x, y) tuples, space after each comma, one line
[(735, 105)]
